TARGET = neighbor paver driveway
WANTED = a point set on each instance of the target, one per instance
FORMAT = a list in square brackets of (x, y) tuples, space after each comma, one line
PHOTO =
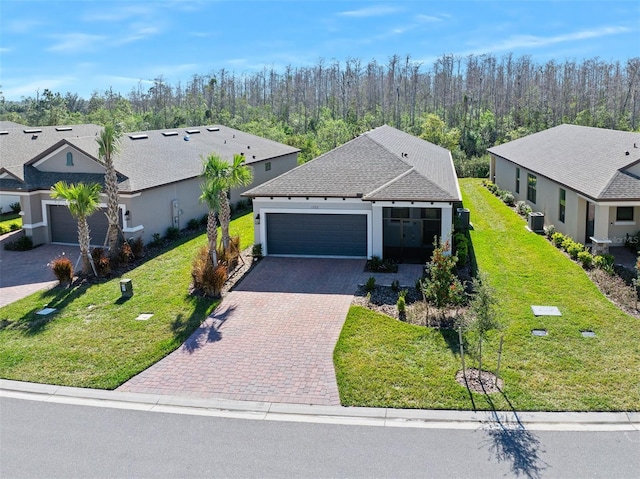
[(25, 272), (271, 339)]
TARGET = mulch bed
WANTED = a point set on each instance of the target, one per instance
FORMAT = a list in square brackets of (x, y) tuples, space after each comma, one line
[(482, 384)]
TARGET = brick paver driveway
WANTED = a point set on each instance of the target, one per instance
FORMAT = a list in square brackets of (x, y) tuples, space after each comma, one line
[(25, 272), (271, 339)]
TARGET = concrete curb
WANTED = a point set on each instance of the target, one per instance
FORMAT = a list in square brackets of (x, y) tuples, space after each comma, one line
[(605, 421)]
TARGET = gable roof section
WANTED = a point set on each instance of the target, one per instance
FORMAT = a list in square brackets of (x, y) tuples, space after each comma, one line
[(382, 164), (153, 159), (586, 159)]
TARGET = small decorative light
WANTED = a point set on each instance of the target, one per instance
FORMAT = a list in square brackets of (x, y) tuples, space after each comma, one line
[(257, 219)]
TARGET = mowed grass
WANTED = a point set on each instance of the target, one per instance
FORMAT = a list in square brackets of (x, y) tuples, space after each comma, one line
[(8, 219), (380, 361), (94, 340)]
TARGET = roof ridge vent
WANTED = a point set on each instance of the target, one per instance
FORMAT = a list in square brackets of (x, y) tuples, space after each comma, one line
[(213, 128), (191, 132), (4, 132), (33, 130), (141, 136), (170, 133), (63, 128)]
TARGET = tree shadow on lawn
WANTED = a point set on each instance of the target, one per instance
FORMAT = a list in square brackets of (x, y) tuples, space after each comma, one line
[(193, 332), (511, 442), (57, 298)]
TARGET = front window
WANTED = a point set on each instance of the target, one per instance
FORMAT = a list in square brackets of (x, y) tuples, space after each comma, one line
[(532, 182), (563, 204), (624, 213), (517, 180), (267, 166)]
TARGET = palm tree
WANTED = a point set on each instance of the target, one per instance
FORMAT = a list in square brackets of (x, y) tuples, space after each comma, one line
[(82, 201), (235, 175), (211, 187), (108, 147)]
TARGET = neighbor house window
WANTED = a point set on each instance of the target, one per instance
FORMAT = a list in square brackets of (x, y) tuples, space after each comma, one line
[(69, 159), (532, 182), (624, 213), (517, 180), (267, 166), (563, 204)]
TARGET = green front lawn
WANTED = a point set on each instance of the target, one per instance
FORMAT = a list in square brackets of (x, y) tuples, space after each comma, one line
[(8, 219), (94, 340), (382, 362)]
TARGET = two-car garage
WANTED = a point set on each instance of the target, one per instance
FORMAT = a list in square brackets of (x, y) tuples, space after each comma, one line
[(316, 234)]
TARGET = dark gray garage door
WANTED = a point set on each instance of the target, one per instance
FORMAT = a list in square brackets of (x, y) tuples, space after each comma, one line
[(316, 234), (64, 227)]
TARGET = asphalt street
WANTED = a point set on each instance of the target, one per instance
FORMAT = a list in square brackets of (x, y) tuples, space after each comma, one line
[(50, 440)]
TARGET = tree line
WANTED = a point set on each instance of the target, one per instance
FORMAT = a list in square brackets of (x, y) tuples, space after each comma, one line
[(466, 104)]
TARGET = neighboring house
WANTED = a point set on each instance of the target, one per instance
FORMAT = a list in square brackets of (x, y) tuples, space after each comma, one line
[(585, 180), (385, 193), (158, 173)]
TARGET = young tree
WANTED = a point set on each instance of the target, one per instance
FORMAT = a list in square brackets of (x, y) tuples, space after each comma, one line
[(108, 147), (483, 314), (82, 200)]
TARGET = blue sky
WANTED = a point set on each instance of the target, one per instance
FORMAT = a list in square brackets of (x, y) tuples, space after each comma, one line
[(82, 46)]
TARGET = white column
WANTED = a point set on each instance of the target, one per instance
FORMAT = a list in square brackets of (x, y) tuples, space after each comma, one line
[(446, 228), (601, 227)]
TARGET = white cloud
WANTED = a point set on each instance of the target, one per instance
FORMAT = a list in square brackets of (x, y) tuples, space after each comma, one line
[(137, 33), (370, 12), (22, 26), (531, 41), (429, 18), (28, 87), (5, 49), (121, 13), (75, 42)]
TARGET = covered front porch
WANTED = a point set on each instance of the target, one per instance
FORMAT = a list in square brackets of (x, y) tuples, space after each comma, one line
[(406, 231), (610, 223)]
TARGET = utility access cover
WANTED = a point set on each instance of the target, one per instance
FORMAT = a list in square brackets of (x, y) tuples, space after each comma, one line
[(545, 311), (144, 317), (46, 311)]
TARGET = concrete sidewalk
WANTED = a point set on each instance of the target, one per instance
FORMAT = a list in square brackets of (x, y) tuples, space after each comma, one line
[(363, 416)]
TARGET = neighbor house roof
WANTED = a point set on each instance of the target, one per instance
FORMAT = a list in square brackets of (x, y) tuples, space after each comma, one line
[(381, 164), (146, 159), (591, 161)]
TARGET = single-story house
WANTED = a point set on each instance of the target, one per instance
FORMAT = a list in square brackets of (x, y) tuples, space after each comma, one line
[(385, 193), (158, 171), (586, 181)]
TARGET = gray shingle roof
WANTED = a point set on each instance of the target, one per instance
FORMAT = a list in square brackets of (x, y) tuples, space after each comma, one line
[(585, 159), (381, 164), (142, 163)]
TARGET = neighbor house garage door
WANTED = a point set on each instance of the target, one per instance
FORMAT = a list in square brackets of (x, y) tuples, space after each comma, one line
[(317, 234), (64, 227)]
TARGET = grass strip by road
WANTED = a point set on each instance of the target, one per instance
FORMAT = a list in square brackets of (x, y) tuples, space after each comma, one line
[(380, 361), (94, 339)]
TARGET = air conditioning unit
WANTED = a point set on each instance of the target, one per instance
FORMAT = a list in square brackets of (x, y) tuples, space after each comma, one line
[(463, 216), (536, 222)]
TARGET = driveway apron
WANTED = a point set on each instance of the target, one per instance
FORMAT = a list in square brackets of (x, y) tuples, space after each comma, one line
[(271, 339), (25, 272)]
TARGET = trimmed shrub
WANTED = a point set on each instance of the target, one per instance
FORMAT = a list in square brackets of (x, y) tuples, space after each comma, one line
[(15, 207), (193, 224), (567, 242), (370, 285), (508, 198), (125, 254), (172, 233), (63, 269), (24, 243), (575, 249), (557, 239), (256, 251), (585, 259), (401, 304), (395, 285), (523, 209), (14, 226), (3, 229), (549, 231)]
